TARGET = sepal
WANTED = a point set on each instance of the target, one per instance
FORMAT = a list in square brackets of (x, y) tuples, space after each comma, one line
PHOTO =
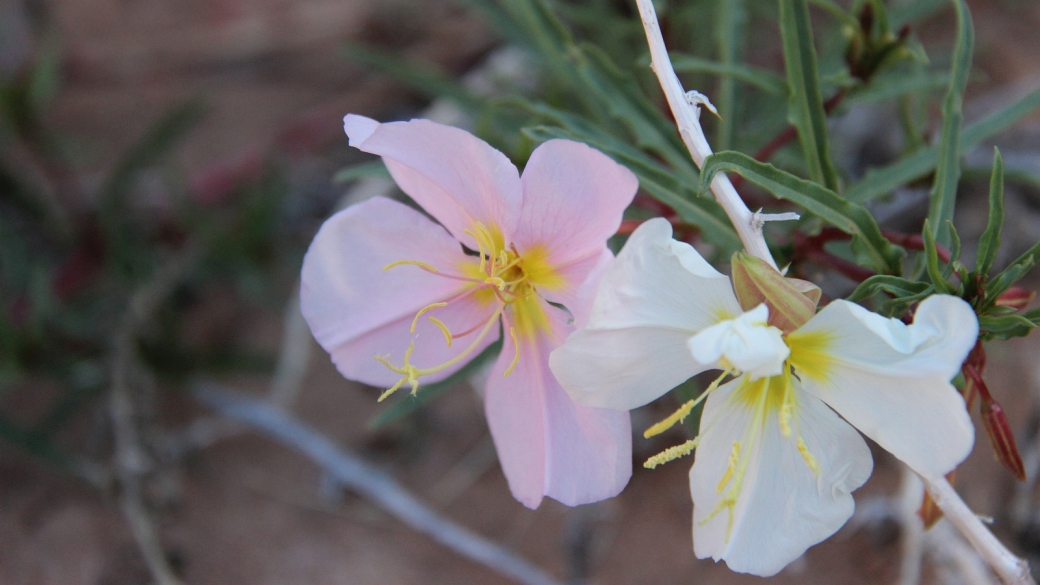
[(756, 282)]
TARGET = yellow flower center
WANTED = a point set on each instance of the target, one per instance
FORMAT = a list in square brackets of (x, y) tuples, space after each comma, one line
[(774, 396), (499, 276)]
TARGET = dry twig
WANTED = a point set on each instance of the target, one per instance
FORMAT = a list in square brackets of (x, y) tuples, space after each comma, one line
[(371, 482), (130, 459)]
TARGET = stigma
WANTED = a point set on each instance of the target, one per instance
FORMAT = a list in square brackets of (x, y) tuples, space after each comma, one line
[(501, 279)]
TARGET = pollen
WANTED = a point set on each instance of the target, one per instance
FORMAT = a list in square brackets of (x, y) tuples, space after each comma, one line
[(672, 453), (734, 460), (809, 459), (684, 410), (440, 325)]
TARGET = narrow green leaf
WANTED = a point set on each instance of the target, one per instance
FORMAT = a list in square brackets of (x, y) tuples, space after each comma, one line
[(763, 79), (989, 242), (1007, 278), (1005, 327), (897, 286), (948, 166), (932, 262), (616, 94), (427, 392), (892, 86), (852, 219), (373, 169), (955, 254), (806, 111), (727, 25), (839, 13), (915, 11), (881, 181)]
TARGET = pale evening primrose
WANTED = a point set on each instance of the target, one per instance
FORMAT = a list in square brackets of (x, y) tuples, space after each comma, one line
[(774, 466), (398, 300)]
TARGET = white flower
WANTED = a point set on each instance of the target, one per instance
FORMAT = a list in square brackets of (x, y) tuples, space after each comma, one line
[(746, 344), (774, 467)]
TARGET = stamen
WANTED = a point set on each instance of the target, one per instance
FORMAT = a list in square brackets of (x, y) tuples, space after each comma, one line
[(683, 411), (734, 459), (428, 268), (423, 265), (673, 418), (386, 394), (390, 366), (423, 310), (480, 249), (672, 453), (444, 329), (809, 459), (516, 358)]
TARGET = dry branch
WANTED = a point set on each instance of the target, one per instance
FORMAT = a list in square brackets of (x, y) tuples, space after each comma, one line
[(371, 482)]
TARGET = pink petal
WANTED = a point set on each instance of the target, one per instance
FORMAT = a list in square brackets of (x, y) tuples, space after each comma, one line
[(574, 197), (578, 295), (455, 176), (549, 445), (357, 310)]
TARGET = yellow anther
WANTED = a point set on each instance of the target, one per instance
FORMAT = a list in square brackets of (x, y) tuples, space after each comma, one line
[(683, 411), (734, 459), (672, 453), (423, 310), (809, 459), (423, 265), (496, 281), (444, 329), (673, 418), (516, 358)]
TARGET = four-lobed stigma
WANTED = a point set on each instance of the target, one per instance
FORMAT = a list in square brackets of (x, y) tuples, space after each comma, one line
[(500, 276)]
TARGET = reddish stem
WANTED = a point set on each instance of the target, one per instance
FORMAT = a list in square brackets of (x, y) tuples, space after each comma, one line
[(788, 134), (915, 242)]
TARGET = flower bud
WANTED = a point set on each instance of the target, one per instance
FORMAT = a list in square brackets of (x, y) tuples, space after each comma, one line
[(756, 282), (1001, 438), (1015, 297)]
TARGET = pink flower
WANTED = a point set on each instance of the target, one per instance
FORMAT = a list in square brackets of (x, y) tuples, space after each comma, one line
[(397, 301)]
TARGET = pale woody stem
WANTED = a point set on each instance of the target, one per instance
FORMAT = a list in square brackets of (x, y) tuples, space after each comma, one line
[(1011, 569), (687, 117)]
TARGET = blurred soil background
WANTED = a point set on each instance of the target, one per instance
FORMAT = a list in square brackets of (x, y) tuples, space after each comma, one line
[(275, 83)]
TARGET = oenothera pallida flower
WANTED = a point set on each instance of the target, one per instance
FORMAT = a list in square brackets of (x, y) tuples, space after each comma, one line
[(774, 466), (399, 300)]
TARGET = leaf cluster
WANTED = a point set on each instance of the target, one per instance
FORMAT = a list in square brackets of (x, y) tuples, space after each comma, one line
[(595, 87)]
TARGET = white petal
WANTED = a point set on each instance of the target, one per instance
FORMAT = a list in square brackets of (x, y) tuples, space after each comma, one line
[(622, 368), (655, 295), (658, 281), (746, 342), (892, 381), (783, 506)]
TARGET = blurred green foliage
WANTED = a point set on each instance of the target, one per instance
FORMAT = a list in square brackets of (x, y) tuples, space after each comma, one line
[(594, 86)]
